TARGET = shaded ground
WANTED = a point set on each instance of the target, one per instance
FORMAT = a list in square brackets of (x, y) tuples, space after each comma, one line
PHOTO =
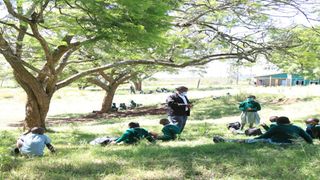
[(79, 102), (214, 113), (73, 101), (141, 111)]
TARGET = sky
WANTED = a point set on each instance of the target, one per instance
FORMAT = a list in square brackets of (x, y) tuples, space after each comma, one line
[(220, 69)]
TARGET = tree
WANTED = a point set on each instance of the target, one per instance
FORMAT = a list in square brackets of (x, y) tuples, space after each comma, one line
[(304, 56), (109, 82), (39, 39)]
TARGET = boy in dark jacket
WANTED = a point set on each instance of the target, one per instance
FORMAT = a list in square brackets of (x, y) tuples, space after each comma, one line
[(169, 131), (179, 107)]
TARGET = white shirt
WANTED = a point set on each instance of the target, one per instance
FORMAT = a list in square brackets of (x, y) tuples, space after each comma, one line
[(184, 100)]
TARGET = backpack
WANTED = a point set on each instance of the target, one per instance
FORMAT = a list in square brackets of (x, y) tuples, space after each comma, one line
[(253, 132), (234, 125), (102, 141)]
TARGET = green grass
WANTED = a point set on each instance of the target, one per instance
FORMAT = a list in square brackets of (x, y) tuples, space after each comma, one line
[(209, 108), (192, 156)]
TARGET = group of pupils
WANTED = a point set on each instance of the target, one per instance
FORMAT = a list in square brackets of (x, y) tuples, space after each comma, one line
[(34, 141), (280, 131)]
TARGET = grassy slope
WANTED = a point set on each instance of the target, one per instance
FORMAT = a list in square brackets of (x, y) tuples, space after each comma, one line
[(193, 156)]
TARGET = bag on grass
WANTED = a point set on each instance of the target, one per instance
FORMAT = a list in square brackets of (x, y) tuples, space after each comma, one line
[(253, 132), (234, 125), (102, 141)]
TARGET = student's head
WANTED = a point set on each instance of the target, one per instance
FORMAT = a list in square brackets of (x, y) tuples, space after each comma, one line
[(182, 89), (312, 121), (164, 121), (273, 118), (251, 97), (283, 120), (133, 125), (37, 130)]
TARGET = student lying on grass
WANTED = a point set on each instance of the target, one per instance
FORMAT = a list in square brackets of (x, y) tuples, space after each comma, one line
[(273, 120), (33, 143), (169, 131), (134, 134), (282, 133)]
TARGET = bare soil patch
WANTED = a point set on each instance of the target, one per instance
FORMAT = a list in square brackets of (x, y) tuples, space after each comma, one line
[(141, 111)]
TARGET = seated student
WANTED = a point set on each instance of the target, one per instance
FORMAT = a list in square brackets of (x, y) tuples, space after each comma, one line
[(282, 133), (134, 134), (170, 131), (316, 131), (273, 120), (33, 142), (311, 124)]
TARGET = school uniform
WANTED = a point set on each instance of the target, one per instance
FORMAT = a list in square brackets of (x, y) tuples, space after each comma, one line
[(309, 130), (266, 127), (250, 116), (133, 135), (170, 132), (285, 134)]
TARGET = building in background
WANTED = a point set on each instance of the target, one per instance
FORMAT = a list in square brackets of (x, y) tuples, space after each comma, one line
[(283, 79)]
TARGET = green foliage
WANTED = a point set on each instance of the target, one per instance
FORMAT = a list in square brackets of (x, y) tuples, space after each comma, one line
[(303, 57)]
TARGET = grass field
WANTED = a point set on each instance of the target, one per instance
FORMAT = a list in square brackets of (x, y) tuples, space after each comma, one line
[(192, 156)]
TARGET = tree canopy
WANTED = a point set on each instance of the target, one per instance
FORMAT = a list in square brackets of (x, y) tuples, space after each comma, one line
[(304, 56)]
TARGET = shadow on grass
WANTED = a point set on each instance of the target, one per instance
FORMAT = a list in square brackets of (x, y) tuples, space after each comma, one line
[(301, 120), (217, 107), (84, 170), (110, 121), (223, 160), (74, 137), (67, 115)]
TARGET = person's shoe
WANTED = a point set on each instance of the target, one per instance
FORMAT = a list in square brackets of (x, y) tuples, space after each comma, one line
[(14, 151), (218, 139)]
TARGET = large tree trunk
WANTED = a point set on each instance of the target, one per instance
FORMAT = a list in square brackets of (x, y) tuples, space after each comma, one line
[(36, 112), (38, 103), (108, 99), (138, 85)]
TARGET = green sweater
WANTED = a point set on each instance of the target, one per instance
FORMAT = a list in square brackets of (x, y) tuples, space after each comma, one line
[(285, 134), (133, 135), (266, 127), (170, 132), (255, 106)]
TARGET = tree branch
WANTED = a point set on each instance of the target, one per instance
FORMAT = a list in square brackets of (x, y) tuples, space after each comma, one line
[(99, 83), (64, 61), (106, 77), (200, 61), (13, 13)]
